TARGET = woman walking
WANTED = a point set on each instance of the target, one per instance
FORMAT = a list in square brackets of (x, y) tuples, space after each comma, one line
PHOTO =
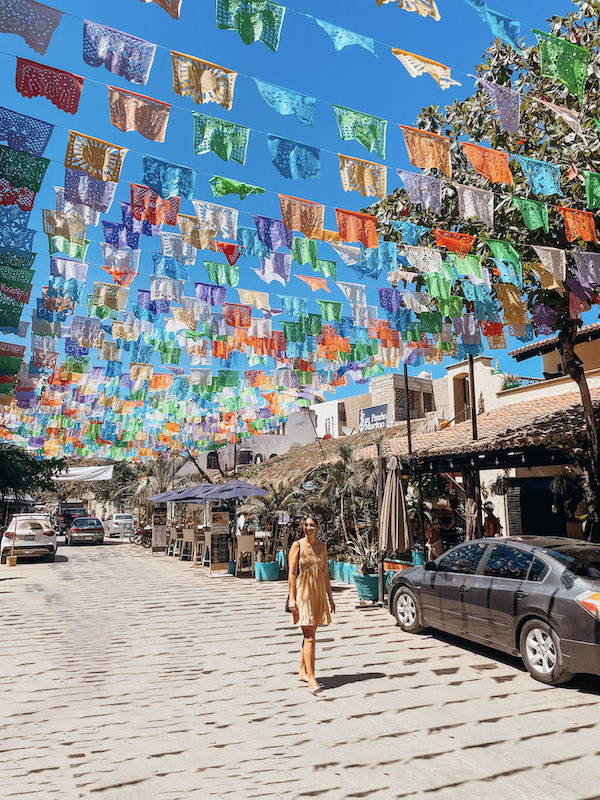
[(309, 588)]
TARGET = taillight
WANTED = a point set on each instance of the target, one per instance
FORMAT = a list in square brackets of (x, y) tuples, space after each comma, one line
[(590, 601), (48, 533), (10, 534)]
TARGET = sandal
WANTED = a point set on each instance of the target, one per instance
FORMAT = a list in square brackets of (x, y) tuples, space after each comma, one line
[(318, 692)]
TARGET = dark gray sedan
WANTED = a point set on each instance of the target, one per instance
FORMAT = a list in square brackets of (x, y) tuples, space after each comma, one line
[(533, 596)]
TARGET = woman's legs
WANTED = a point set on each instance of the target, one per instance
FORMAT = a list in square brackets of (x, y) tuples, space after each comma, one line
[(303, 671), (308, 655)]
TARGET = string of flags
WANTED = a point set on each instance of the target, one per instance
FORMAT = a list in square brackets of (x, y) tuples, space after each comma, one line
[(104, 395)]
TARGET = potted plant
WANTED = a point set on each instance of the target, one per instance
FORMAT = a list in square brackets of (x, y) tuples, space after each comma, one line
[(365, 554)]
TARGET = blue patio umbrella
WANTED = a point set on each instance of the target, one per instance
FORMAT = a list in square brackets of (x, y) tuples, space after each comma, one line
[(192, 494), (234, 490), (164, 497)]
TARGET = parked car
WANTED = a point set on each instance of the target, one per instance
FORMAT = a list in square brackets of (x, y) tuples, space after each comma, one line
[(533, 596), (85, 529), (30, 535), (120, 525), (66, 512)]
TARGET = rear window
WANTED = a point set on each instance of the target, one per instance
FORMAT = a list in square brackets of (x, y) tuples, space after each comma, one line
[(125, 517), (33, 525), (87, 522), (584, 563)]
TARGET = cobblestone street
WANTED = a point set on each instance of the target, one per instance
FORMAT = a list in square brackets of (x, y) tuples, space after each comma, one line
[(127, 675)]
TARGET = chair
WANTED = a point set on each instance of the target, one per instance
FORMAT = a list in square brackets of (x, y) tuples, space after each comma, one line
[(187, 544), (171, 541), (244, 544)]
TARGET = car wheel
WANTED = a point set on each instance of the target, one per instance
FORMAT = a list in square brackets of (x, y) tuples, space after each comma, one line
[(406, 611), (542, 654), (51, 558), (3, 559)]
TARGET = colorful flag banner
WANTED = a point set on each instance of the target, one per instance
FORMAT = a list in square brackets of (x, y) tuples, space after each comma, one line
[(475, 204), (225, 139), (366, 177), (493, 164), (38, 80), (71, 228), (343, 38), (553, 260), (273, 233), (571, 117), (578, 224), (148, 206), (254, 20), (16, 195), (201, 80), (194, 233), (423, 190), (533, 212), (172, 7), (221, 186), (121, 53), (365, 129), (167, 179), (21, 169), (504, 28), (419, 65), (426, 149), (275, 267), (542, 176), (564, 61), (135, 112), (507, 102), (82, 190), (302, 215), (294, 160), (424, 8), (21, 132), (222, 273), (32, 21), (592, 188), (356, 227), (221, 220), (460, 243), (101, 160), (286, 102)]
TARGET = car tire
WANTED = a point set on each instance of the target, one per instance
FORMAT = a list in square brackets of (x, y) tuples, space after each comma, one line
[(51, 558), (406, 610), (2, 559), (542, 654)]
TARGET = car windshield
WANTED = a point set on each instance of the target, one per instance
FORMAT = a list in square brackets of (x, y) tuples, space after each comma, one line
[(582, 562), (87, 522)]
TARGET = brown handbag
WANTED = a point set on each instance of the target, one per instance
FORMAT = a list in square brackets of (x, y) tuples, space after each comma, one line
[(287, 602)]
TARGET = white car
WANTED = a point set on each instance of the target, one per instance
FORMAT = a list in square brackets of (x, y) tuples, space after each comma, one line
[(30, 535), (120, 525)]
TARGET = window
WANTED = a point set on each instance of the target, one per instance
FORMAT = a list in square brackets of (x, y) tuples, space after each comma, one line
[(537, 570), (464, 559), (508, 562), (584, 562), (212, 460), (244, 457)]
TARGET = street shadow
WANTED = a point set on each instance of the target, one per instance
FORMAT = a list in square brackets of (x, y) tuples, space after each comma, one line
[(12, 578), (335, 681), (586, 684)]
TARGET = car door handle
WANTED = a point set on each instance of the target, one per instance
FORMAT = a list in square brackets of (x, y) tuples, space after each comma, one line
[(463, 589), (520, 595)]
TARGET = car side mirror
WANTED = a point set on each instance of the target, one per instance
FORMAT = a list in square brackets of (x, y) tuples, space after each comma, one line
[(430, 566)]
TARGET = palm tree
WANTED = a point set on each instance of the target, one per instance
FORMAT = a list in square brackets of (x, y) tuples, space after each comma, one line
[(270, 508)]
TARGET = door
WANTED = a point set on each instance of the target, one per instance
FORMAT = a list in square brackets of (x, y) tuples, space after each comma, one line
[(498, 594), (453, 581)]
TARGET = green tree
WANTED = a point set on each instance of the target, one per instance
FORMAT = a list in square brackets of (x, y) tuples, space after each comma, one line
[(544, 135), (21, 473)]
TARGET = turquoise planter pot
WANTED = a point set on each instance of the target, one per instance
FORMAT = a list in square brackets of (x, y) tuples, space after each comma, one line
[(418, 558), (231, 568), (367, 586), (266, 571), (341, 571)]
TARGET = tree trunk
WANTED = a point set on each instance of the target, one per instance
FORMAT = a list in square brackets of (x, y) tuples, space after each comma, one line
[(199, 468), (572, 367)]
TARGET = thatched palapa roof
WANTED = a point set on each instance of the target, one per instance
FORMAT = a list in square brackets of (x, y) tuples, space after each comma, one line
[(550, 421)]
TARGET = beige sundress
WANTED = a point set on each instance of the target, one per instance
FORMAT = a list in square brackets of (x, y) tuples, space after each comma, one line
[(311, 592)]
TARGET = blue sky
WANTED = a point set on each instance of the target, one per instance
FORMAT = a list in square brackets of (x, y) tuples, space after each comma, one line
[(306, 61)]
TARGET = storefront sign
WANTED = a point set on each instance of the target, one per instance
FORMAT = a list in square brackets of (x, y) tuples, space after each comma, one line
[(220, 540), (372, 419), (159, 527)]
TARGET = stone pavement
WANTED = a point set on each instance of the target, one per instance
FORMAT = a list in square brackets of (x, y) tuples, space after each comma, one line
[(127, 675)]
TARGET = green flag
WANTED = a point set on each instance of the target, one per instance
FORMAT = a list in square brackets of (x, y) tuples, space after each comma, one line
[(534, 213), (592, 189), (563, 60), (221, 186)]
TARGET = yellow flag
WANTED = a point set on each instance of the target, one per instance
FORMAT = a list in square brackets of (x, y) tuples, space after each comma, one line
[(419, 65), (98, 158), (202, 81), (366, 177)]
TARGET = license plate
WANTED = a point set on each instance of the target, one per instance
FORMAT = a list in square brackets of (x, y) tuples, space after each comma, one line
[(88, 537), (29, 537)]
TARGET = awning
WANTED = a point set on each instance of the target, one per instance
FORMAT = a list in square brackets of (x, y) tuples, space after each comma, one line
[(104, 473)]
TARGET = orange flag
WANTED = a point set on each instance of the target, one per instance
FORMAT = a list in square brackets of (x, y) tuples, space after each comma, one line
[(427, 149), (491, 163)]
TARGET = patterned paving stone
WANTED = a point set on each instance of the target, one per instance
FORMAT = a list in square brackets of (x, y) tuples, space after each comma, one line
[(127, 675)]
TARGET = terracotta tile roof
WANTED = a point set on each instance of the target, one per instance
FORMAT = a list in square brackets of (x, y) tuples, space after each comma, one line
[(588, 332), (532, 423)]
